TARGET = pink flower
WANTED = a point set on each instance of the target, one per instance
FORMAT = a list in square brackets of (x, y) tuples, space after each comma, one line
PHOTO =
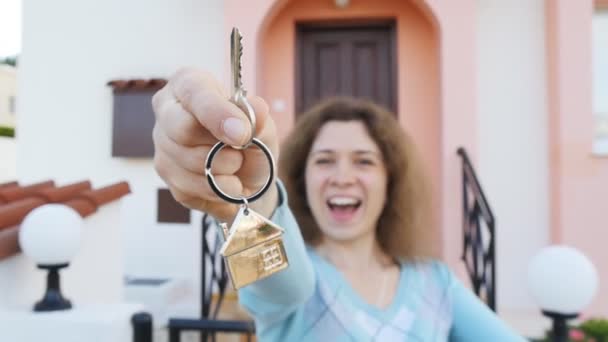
[(576, 335)]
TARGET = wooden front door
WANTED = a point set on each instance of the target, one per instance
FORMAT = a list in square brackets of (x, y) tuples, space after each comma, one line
[(354, 60)]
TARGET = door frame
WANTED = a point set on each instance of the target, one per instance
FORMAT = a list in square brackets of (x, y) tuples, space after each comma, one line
[(389, 23)]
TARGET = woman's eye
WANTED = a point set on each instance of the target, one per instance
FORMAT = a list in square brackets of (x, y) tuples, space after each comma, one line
[(323, 161), (365, 162)]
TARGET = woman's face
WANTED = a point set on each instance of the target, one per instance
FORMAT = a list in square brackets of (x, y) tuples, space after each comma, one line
[(346, 181)]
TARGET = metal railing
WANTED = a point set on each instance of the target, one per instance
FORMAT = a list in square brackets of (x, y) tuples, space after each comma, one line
[(214, 279), (479, 237)]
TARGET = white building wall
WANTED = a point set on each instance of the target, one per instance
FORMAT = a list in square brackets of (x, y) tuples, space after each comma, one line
[(600, 81), (8, 167), (8, 87), (513, 137), (71, 49), (600, 62)]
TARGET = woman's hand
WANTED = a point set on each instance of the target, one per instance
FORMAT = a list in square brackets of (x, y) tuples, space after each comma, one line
[(192, 114)]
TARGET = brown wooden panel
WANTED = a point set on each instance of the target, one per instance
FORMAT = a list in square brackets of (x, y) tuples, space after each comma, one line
[(169, 210), (133, 123), (328, 65), (365, 58), (350, 59)]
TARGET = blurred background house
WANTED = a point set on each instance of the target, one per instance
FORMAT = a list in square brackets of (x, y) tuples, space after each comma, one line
[(522, 85), (8, 101), (8, 95)]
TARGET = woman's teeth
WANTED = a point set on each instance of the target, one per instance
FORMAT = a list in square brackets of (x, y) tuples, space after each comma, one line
[(343, 203)]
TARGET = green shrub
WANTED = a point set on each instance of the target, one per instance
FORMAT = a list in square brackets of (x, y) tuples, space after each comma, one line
[(590, 330), (596, 328), (7, 132), (12, 60)]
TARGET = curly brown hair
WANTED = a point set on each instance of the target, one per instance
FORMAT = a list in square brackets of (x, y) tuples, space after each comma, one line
[(404, 228)]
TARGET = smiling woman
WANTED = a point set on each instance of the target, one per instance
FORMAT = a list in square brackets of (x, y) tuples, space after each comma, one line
[(361, 266), (344, 135), (360, 198)]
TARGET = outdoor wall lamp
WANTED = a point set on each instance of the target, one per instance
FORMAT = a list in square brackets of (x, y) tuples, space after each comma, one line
[(563, 281), (50, 235)]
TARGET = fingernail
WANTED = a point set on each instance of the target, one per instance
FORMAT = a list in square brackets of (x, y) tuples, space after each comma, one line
[(235, 129)]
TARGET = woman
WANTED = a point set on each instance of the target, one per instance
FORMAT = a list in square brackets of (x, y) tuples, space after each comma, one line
[(361, 266)]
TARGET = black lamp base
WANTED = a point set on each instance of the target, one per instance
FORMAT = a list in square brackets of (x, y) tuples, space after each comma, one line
[(560, 327), (53, 300)]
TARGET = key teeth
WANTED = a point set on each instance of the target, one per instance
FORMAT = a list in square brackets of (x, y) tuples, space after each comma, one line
[(240, 62), (240, 59), (237, 46)]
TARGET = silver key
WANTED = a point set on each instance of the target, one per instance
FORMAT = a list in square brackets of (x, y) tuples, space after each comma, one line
[(239, 94)]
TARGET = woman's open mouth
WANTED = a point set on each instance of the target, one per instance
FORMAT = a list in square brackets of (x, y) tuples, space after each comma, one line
[(343, 208)]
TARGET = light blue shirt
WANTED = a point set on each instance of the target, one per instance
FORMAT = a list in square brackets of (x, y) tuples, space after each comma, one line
[(312, 301)]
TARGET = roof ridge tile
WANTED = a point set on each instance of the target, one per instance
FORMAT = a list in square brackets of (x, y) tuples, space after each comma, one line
[(63, 193), (14, 193), (136, 84)]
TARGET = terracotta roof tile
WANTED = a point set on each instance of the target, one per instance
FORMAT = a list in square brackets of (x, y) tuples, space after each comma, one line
[(12, 214), (124, 85), (63, 193), (14, 193), (9, 242), (20, 201), (82, 206), (8, 184), (106, 194)]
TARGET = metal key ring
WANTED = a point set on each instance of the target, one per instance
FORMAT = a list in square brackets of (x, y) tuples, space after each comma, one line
[(236, 200)]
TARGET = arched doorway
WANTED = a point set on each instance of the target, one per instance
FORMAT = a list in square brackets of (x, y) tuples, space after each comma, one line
[(303, 43), (430, 32)]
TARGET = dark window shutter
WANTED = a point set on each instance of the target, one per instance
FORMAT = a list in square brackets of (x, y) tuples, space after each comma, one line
[(169, 210), (133, 123)]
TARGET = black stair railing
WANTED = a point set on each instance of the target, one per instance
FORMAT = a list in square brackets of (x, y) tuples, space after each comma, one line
[(479, 235), (214, 283)]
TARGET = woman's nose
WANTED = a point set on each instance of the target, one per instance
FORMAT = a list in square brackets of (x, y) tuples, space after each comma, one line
[(343, 174)]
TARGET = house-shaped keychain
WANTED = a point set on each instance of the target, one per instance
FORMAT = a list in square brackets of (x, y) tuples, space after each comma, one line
[(253, 249)]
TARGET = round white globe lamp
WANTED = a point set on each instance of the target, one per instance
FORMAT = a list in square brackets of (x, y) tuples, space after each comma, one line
[(563, 281), (50, 235)]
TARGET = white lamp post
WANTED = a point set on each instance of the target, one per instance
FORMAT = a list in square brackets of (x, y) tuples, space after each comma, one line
[(563, 281), (50, 235)]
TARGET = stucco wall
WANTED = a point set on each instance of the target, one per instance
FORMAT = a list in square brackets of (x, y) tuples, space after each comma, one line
[(8, 91), (600, 81), (8, 166), (66, 108), (513, 143), (579, 180)]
